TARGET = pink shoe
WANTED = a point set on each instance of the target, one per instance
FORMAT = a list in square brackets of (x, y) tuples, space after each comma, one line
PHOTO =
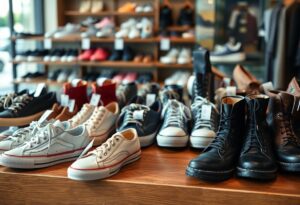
[(105, 22), (119, 78), (86, 55), (130, 77)]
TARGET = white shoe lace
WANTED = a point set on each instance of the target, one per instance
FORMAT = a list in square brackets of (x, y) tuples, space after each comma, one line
[(77, 119), (42, 136), (95, 120), (176, 114), (129, 110), (105, 148), (19, 102), (20, 136)]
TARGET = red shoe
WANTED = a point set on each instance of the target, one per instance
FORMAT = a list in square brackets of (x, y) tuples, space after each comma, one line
[(118, 78), (86, 55), (130, 77), (78, 92), (100, 55), (106, 88)]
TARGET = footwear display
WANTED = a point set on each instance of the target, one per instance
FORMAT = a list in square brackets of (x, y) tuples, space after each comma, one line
[(106, 88), (174, 130), (76, 90), (257, 159), (229, 53), (99, 55), (219, 159), (8, 132), (144, 119), (85, 6), (184, 57), (170, 57), (205, 122), (68, 30), (165, 17), (82, 116), (126, 92), (121, 149), (186, 16)]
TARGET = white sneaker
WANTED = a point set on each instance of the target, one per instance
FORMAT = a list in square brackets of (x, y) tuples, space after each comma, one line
[(85, 6), (184, 56), (134, 33), (53, 145), (119, 150), (97, 6), (102, 122), (129, 23), (105, 32), (146, 27), (173, 79), (171, 57), (183, 79), (228, 53), (148, 8), (69, 29), (82, 116), (123, 33)]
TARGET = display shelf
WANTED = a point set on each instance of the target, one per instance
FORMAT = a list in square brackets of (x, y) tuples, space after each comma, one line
[(168, 66), (159, 176), (37, 81), (179, 28), (109, 13), (46, 62)]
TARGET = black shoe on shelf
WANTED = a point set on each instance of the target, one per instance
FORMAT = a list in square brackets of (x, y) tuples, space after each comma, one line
[(165, 17), (186, 17), (218, 161), (116, 55), (53, 75), (257, 160), (128, 54)]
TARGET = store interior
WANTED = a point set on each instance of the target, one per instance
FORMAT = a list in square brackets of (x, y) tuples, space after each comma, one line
[(150, 101)]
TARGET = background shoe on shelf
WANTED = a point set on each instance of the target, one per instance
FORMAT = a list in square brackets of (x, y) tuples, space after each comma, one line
[(174, 129), (126, 92), (128, 54), (36, 55), (82, 116), (90, 32), (165, 17), (245, 80), (89, 21), (33, 76), (53, 74), (57, 55), (63, 76), (76, 90), (73, 75), (121, 149), (186, 17), (105, 32), (100, 54), (106, 88), (170, 57), (7, 133), (130, 77), (86, 55), (68, 30), (127, 7), (229, 53), (188, 34), (119, 78), (105, 22), (144, 8), (116, 55), (185, 56), (97, 6), (85, 6)]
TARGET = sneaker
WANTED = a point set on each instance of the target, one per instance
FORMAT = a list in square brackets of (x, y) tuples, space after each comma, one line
[(105, 32), (205, 117), (86, 55), (229, 53), (46, 149), (116, 55), (105, 23), (69, 29), (174, 130), (82, 116), (85, 6), (128, 54), (89, 22), (8, 132), (76, 90), (7, 99), (106, 88), (186, 16), (126, 92), (134, 33), (100, 54), (121, 149), (90, 32), (184, 56), (145, 120), (26, 108), (97, 6), (102, 122), (63, 76), (127, 7), (165, 17), (130, 77), (170, 57)]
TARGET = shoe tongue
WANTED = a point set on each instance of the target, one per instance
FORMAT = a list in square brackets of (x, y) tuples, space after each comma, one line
[(58, 124), (287, 101)]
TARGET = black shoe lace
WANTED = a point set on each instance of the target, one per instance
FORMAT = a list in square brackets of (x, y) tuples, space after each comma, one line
[(201, 88), (286, 129)]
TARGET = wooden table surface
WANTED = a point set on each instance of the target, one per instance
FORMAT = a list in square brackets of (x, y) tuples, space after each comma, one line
[(159, 176)]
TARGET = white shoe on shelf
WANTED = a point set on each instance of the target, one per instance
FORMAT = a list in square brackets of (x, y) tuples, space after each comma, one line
[(97, 6), (170, 57), (185, 56), (85, 6)]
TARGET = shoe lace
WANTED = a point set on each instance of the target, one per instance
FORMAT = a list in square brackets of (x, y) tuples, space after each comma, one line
[(105, 148), (168, 95), (6, 100), (176, 114), (129, 113), (76, 120), (42, 136), (121, 90), (201, 88), (95, 120), (200, 122), (20, 135), (19, 102), (286, 129)]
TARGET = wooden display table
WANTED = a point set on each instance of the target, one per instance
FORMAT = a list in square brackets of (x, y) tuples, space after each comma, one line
[(157, 178)]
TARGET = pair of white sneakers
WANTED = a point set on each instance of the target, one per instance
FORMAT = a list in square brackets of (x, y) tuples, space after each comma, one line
[(134, 29), (183, 56), (178, 78)]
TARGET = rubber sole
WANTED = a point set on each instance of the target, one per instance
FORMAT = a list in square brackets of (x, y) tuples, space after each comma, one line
[(37, 162), (20, 121), (235, 57), (256, 174), (290, 167), (87, 175), (147, 140), (172, 141), (200, 142), (213, 176)]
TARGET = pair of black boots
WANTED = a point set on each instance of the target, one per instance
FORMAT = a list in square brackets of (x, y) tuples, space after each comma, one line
[(243, 143)]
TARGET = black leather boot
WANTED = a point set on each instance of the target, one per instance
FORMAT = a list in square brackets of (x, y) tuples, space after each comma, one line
[(218, 161), (257, 160), (287, 143)]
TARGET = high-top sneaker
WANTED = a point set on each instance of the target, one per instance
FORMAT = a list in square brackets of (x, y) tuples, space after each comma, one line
[(77, 91), (125, 93), (205, 118), (106, 88), (287, 143), (219, 159), (257, 159)]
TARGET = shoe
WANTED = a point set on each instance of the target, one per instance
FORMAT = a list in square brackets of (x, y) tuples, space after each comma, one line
[(174, 129), (183, 80), (102, 122), (72, 56), (73, 75), (57, 55), (184, 56), (149, 88), (122, 33), (170, 57), (68, 30), (186, 17), (89, 22), (125, 93), (106, 88), (287, 143), (148, 59), (105, 23), (138, 58), (130, 77), (97, 6), (26, 108), (144, 119), (105, 32), (145, 78), (45, 148), (127, 7), (257, 160), (165, 95), (90, 32), (148, 8), (229, 53), (63, 76), (7, 133), (85, 6), (65, 114), (205, 123), (53, 74), (48, 57), (7, 99), (245, 80), (36, 55), (22, 56), (173, 79), (218, 161), (82, 116), (86, 55), (165, 17), (188, 34), (100, 54), (146, 26), (128, 54), (121, 149), (134, 33), (116, 55), (119, 78), (131, 22), (76, 92)]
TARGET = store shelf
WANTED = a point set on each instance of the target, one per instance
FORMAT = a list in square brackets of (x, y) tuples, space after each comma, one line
[(46, 63), (159, 176), (179, 28), (173, 66), (108, 13), (37, 81), (117, 64)]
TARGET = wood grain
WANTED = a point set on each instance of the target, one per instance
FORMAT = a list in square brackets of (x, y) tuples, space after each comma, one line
[(158, 176)]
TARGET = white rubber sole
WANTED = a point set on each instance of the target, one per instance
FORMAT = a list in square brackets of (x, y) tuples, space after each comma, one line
[(172, 141), (101, 173), (20, 121), (31, 162), (200, 142), (147, 140), (236, 57)]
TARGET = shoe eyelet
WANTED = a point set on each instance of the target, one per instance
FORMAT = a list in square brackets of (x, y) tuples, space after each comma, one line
[(105, 154)]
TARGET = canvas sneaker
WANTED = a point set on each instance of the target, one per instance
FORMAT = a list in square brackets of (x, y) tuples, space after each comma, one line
[(8, 132), (53, 145), (170, 57), (102, 122), (145, 119), (205, 118), (229, 53), (174, 130), (82, 116), (121, 149)]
